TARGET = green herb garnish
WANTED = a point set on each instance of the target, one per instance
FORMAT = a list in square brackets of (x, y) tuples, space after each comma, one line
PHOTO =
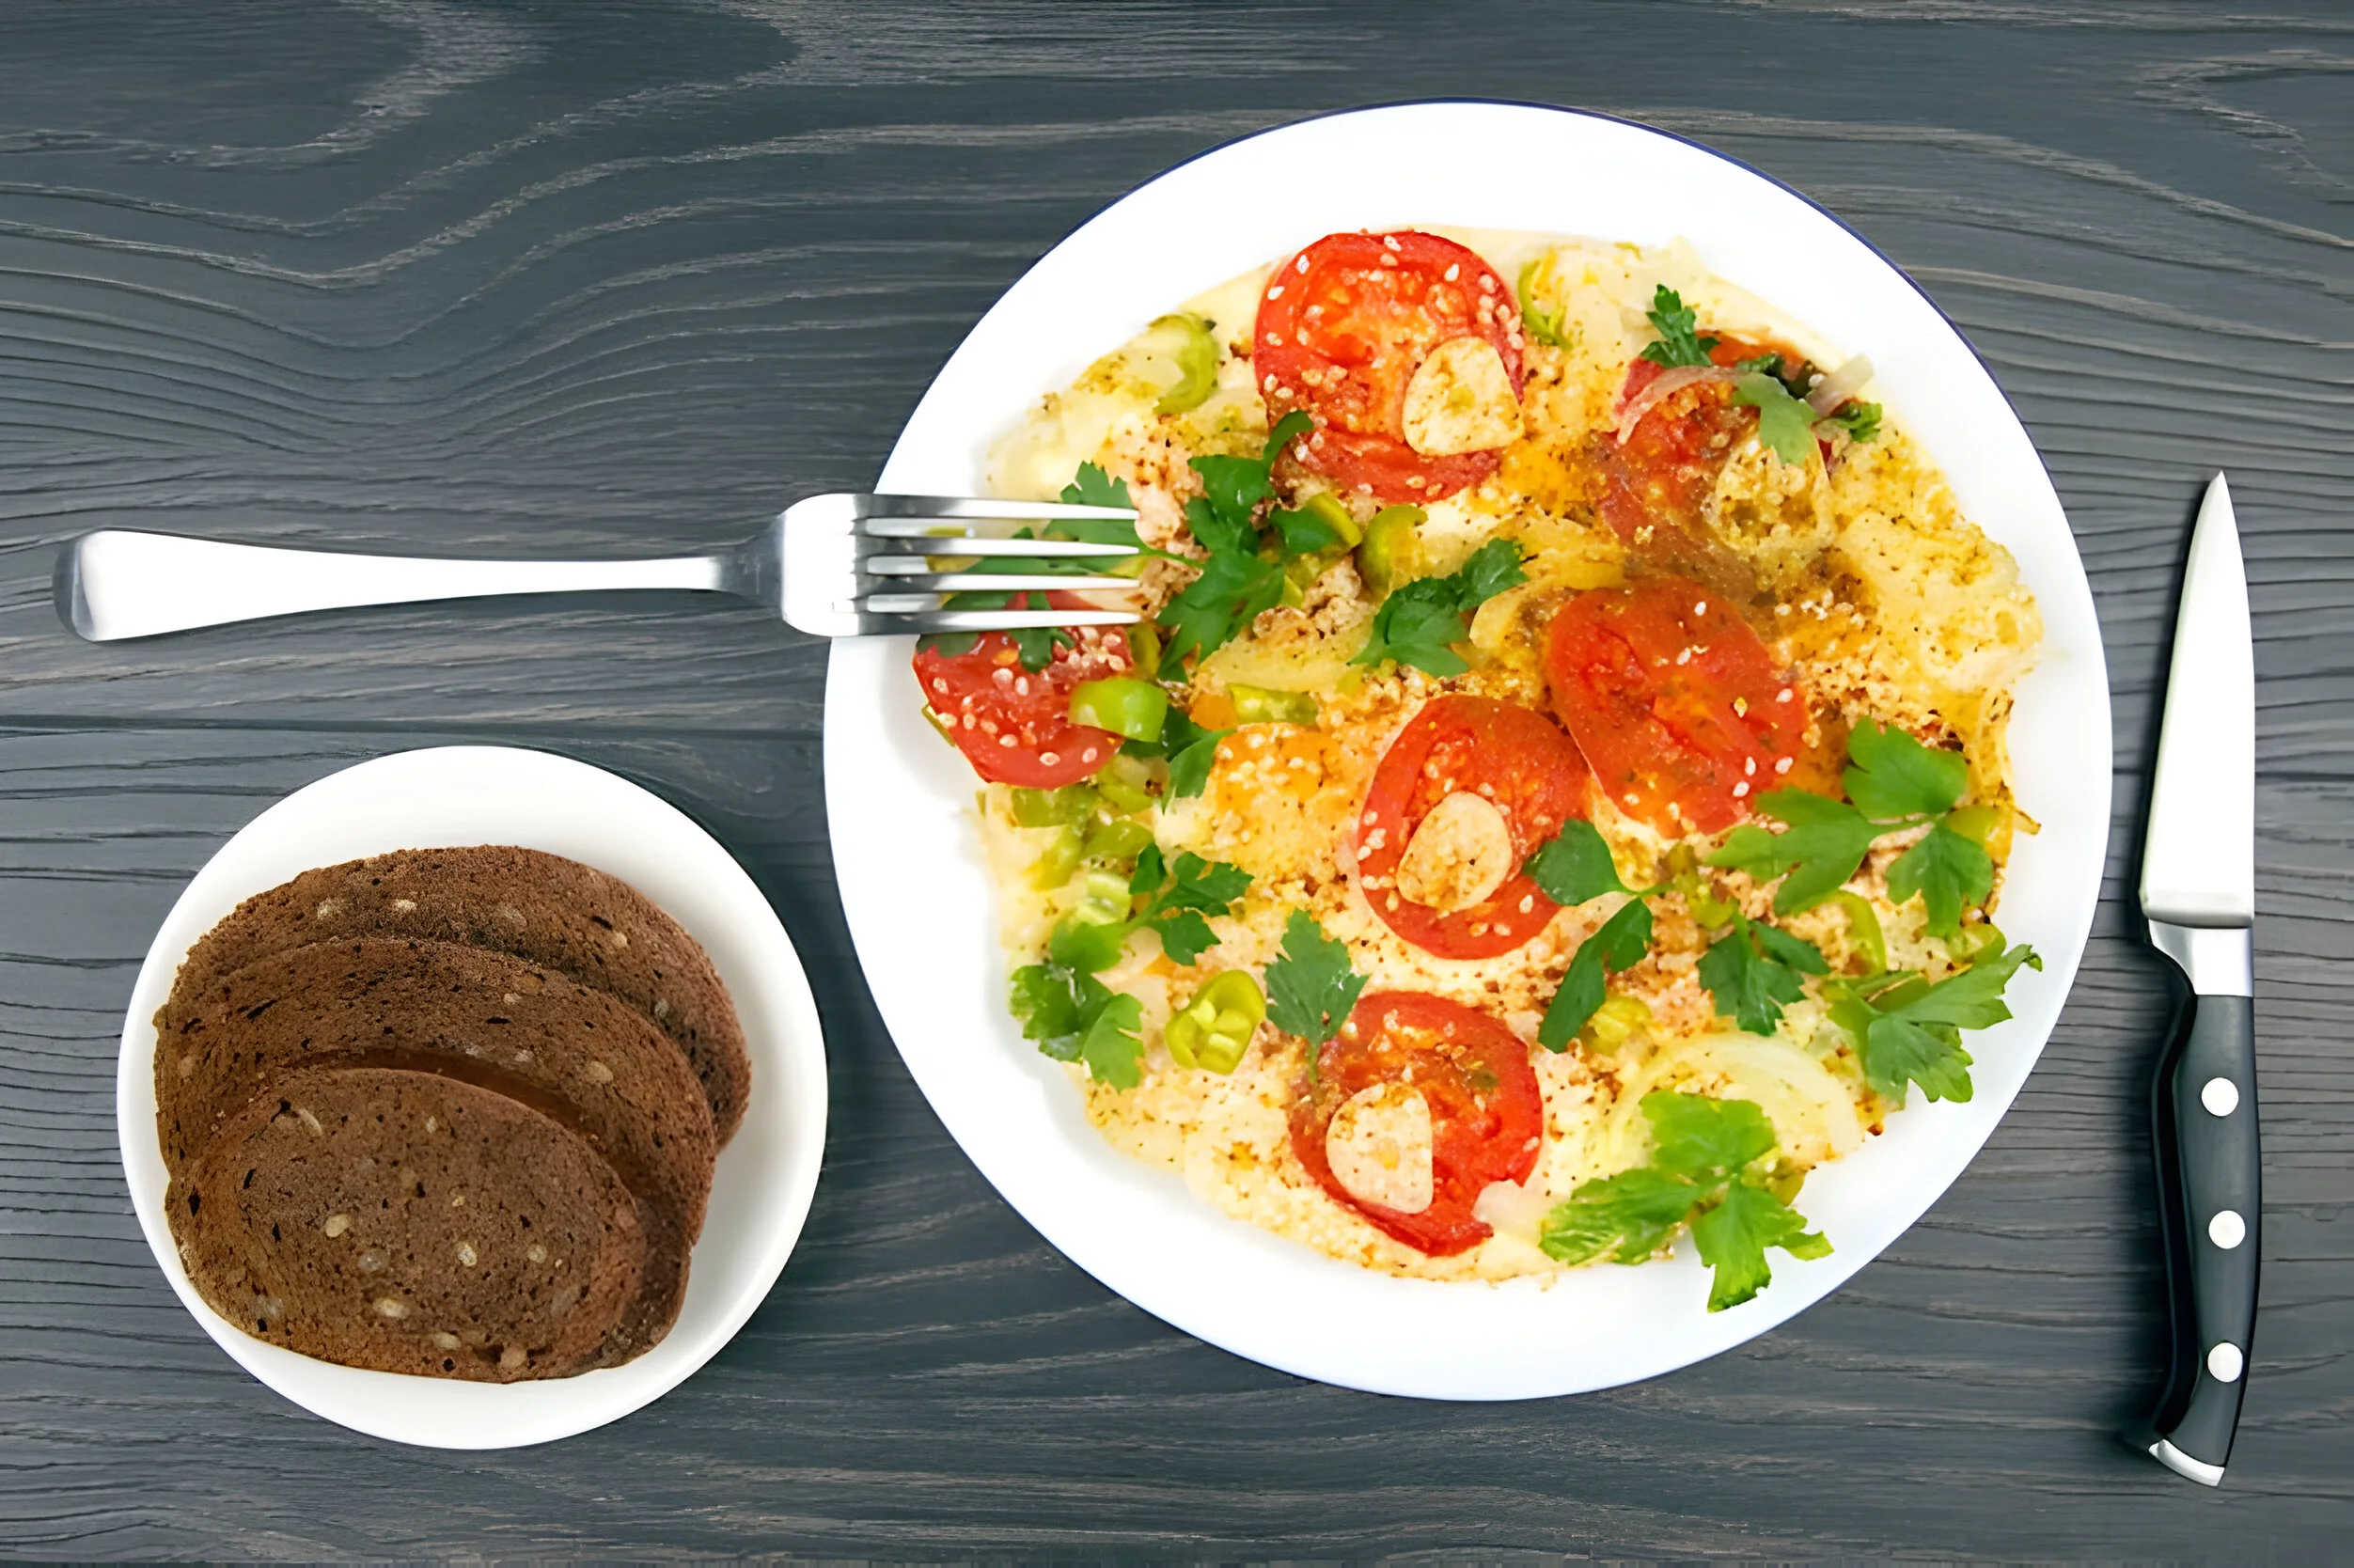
[(1419, 619), (1861, 420), (1310, 985), (1705, 1170), (1679, 341), (1905, 1030), (1895, 783), (1237, 583), (1785, 424), (1076, 1017), (1754, 970)]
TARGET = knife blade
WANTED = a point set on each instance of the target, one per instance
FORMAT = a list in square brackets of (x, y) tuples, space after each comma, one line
[(2199, 893)]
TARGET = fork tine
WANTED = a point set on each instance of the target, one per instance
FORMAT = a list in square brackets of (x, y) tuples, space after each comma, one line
[(889, 515), (1001, 620), (920, 545), (993, 582)]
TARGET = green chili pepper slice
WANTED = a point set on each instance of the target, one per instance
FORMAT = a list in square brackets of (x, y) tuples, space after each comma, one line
[(1976, 944), (1615, 1021), (1073, 803), (1117, 842), (1211, 1032), (1977, 823), (1263, 705), (1183, 343), (1392, 551), (1863, 926), (1122, 783), (1123, 705), (1054, 867), (1144, 643)]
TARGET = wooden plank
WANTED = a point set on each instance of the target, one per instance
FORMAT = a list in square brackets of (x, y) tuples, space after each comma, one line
[(597, 278)]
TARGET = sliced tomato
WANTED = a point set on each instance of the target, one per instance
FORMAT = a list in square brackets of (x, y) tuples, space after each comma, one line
[(1012, 724), (1514, 758), (1676, 704), (1656, 483), (1343, 327), (1487, 1115)]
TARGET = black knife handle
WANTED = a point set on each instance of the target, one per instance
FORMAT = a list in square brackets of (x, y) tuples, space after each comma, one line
[(2210, 1187)]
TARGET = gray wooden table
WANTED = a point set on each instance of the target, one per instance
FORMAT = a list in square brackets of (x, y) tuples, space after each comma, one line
[(453, 274)]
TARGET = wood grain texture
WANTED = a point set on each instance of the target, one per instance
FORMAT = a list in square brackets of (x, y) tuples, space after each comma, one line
[(456, 276)]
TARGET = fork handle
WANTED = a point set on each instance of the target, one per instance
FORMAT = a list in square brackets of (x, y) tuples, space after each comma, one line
[(118, 583)]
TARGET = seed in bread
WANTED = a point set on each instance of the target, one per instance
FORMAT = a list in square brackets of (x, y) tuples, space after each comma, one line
[(410, 1223), (595, 929), (568, 1051)]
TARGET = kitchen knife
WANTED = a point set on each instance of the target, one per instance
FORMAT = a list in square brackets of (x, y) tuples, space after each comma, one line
[(2199, 892)]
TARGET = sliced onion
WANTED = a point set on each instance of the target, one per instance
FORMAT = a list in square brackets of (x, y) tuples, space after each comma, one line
[(1839, 385), (1668, 385)]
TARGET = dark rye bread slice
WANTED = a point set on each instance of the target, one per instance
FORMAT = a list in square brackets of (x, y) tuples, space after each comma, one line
[(410, 1223), (568, 1051), (573, 918)]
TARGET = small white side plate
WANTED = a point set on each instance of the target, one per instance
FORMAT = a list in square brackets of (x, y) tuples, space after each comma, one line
[(766, 1175)]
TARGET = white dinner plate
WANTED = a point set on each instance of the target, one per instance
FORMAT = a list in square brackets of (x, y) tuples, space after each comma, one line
[(454, 795), (920, 907)]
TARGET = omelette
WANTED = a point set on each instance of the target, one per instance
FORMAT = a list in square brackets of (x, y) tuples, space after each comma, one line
[(1556, 796)]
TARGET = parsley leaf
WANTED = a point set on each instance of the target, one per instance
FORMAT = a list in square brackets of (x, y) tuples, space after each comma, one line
[(1861, 420), (1973, 998), (1092, 487), (1823, 843), (1898, 1051), (1679, 342), (1076, 1017), (1189, 763), (1893, 776), (1087, 946), (1055, 1006), (1310, 985), (1035, 645), (1628, 1216), (1232, 591), (1753, 971), (1113, 1047), (1948, 871), (1419, 619), (1702, 1171), (1303, 533), (1911, 1033), (1704, 1139), (1176, 898), (1895, 782), (1575, 865), (1618, 942), (1785, 423), (1190, 750), (1542, 327), (1733, 1237), (1208, 885), (1236, 585)]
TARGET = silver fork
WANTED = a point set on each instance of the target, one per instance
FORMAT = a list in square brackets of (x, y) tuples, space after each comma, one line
[(834, 566)]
